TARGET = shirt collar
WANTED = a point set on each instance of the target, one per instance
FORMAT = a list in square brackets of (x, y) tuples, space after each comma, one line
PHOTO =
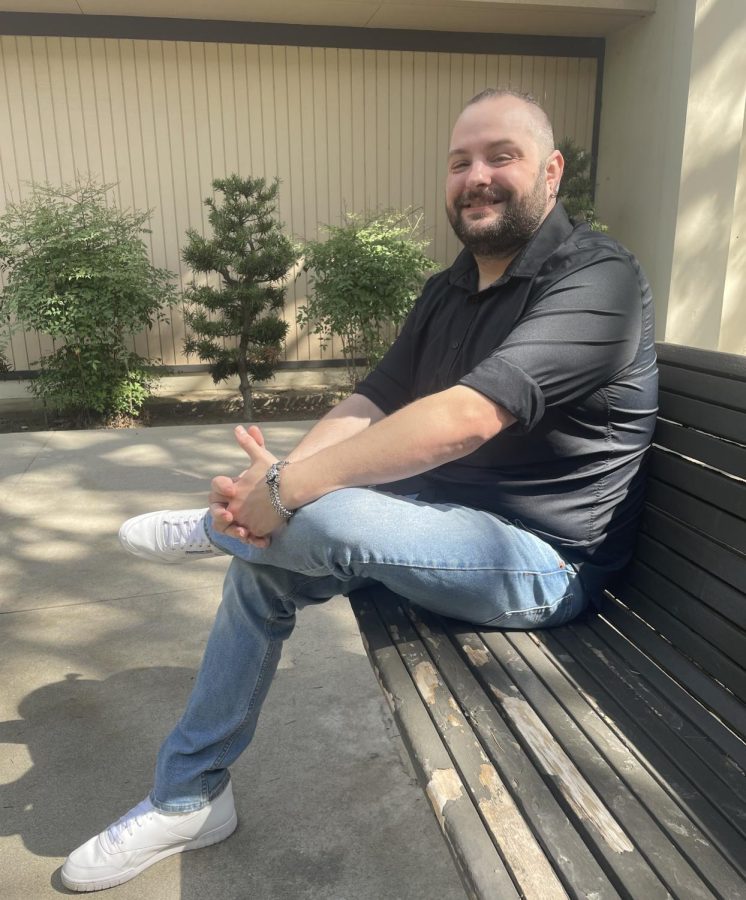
[(552, 232)]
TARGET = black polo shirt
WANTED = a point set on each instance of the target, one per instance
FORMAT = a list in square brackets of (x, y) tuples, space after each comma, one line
[(564, 340)]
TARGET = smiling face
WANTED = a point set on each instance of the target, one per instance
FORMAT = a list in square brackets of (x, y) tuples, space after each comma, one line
[(502, 175)]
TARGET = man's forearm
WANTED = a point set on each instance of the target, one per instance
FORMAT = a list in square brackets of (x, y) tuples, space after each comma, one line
[(432, 431), (352, 415), (349, 417)]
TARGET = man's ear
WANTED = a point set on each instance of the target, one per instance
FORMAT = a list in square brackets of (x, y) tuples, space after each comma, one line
[(554, 167)]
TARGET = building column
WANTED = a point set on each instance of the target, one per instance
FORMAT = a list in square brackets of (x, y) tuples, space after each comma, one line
[(708, 262), (672, 165)]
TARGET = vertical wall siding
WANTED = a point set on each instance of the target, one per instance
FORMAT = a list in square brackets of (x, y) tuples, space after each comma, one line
[(343, 129)]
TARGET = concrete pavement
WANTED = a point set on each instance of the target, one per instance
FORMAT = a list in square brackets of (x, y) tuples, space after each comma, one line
[(97, 654)]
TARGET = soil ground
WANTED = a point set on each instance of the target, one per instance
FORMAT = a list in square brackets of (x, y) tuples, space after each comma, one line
[(280, 405)]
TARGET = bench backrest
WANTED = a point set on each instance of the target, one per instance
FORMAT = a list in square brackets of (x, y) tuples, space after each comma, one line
[(683, 600)]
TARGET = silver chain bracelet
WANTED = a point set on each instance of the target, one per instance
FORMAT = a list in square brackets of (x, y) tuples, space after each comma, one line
[(273, 483)]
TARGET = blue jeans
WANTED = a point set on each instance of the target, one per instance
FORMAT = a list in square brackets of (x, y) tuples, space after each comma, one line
[(460, 562)]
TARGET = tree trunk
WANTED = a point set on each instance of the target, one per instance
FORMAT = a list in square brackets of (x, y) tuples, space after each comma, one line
[(244, 385), (245, 388)]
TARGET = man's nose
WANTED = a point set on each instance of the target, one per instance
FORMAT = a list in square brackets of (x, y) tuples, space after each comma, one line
[(478, 174)]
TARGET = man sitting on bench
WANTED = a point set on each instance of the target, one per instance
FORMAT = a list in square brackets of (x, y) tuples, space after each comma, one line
[(505, 431)]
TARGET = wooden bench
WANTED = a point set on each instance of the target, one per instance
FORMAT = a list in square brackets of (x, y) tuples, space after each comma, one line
[(604, 758)]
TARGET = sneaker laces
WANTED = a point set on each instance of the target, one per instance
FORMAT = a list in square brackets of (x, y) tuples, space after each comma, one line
[(135, 817), (185, 534)]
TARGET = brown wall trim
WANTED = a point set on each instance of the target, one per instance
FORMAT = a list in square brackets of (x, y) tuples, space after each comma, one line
[(211, 31), (289, 365)]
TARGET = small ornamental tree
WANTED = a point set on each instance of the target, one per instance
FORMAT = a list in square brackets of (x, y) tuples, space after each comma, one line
[(364, 280), (576, 188), (237, 328), (78, 270)]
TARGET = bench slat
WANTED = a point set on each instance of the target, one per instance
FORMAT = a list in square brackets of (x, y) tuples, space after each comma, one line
[(572, 722), (661, 739), (711, 521), (596, 820), (696, 751), (727, 564), (710, 362), (575, 864), (720, 491), (717, 390), (697, 828), (727, 639), (700, 685), (712, 451), (689, 642), (681, 701), (476, 858), (521, 852), (726, 423), (720, 597)]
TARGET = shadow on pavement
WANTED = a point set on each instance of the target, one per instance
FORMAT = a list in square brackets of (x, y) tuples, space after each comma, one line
[(91, 753), (321, 814), (98, 652)]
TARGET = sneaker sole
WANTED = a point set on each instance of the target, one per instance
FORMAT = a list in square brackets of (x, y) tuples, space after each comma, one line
[(206, 840), (173, 558)]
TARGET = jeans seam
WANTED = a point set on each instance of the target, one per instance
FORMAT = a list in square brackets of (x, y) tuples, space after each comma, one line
[(569, 595), (522, 612), (228, 743), (268, 623), (218, 789), (560, 570)]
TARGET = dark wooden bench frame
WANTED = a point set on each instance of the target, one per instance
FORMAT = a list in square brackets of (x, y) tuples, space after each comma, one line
[(604, 758)]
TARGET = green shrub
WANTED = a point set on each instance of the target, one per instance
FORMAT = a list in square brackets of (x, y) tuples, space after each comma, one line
[(253, 258), (576, 188), (78, 271), (94, 379), (364, 279)]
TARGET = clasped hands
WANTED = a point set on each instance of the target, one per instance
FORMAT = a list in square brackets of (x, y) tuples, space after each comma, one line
[(241, 507)]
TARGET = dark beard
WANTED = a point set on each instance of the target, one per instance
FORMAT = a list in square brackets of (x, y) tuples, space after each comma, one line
[(516, 226)]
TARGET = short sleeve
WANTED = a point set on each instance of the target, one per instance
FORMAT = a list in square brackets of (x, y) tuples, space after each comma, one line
[(579, 334), (389, 385)]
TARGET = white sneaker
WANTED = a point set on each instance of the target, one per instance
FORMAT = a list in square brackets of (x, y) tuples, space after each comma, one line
[(168, 536), (144, 836)]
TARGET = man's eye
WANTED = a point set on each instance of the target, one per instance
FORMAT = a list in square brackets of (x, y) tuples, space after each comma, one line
[(501, 159), (459, 165)]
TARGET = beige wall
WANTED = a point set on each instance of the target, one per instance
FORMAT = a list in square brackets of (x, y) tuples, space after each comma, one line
[(672, 166), (706, 246), (343, 129), (733, 321), (643, 115)]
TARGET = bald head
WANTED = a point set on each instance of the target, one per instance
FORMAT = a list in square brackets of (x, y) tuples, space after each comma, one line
[(541, 127), (503, 173)]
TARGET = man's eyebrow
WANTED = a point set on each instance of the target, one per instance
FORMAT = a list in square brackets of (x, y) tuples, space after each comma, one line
[(495, 145)]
